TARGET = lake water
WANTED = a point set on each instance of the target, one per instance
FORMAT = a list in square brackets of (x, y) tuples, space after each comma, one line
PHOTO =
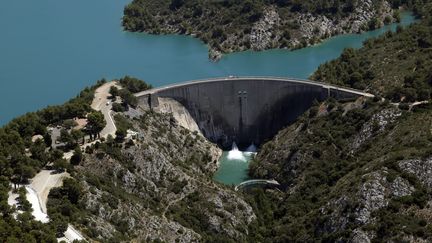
[(52, 49)]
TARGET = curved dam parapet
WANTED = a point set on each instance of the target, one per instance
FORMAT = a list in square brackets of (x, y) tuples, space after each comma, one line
[(245, 110)]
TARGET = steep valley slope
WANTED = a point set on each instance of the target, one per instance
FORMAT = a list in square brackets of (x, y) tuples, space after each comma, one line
[(156, 188), (353, 171), (395, 65), (358, 171)]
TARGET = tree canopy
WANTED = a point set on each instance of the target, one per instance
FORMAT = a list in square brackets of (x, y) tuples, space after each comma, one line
[(96, 123)]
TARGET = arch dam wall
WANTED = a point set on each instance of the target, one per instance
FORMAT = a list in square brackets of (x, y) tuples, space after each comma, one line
[(245, 110)]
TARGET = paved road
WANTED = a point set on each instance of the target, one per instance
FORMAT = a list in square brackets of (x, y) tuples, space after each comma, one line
[(43, 182), (37, 195), (100, 103), (38, 192), (37, 206)]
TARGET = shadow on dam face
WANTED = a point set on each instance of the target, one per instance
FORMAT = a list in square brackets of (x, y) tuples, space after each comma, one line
[(245, 110)]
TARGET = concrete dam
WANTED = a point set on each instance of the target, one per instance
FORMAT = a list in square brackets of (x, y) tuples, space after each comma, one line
[(245, 110)]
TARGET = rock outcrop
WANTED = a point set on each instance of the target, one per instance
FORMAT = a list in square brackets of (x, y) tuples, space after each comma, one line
[(376, 124), (261, 36), (143, 190), (377, 188), (371, 196), (421, 168)]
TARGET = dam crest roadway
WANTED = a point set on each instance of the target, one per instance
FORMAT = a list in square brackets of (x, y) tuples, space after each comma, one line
[(245, 110)]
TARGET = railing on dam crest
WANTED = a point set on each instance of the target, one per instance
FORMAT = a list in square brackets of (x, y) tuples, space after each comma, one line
[(264, 78)]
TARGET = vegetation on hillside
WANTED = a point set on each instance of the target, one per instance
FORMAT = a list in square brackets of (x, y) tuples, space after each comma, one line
[(395, 65), (143, 190), (130, 86), (343, 166), (227, 25), (16, 137), (325, 159), (21, 158)]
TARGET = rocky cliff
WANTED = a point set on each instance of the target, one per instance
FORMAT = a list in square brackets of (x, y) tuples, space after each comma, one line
[(359, 171), (353, 172), (158, 187)]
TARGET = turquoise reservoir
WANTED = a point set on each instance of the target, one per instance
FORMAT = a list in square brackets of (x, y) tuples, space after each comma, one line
[(51, 49)]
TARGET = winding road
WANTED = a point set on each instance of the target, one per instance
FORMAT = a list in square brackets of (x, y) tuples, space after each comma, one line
[(37, 194), (45, 180), (103, 104)]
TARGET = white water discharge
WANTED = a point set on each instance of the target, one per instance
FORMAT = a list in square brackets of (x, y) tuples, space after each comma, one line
[(251, 150), (236, 154)]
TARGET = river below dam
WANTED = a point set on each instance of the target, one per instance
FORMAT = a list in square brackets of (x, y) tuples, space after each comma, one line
[(234, 165), (51, 49)]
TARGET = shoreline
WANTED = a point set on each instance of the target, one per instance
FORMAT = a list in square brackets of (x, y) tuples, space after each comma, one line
[(313, 30), (215, 55)]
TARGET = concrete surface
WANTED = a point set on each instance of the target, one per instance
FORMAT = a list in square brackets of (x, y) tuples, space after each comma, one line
[(71, 234), (180, 113), (34, 200), (37, 195), (43, 182), (245, 110)]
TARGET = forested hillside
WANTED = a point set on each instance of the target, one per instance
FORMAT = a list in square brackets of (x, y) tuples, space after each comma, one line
[(155, 188), (235, 25), (353, 171), (26, 147), (120, 189), (357, 171), (21, 159), (395, 65)]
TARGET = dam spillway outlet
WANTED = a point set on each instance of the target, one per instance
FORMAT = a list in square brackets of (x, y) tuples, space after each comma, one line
[(252, 148), (236, 154), (233, 166)]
